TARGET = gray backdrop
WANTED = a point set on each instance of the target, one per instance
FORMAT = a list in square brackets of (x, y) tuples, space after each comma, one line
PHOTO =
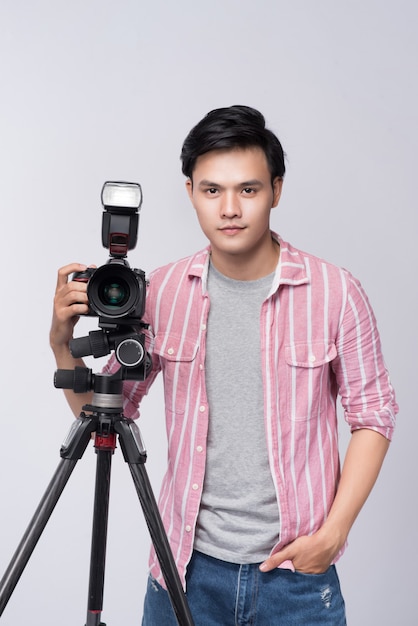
[(97, 90)]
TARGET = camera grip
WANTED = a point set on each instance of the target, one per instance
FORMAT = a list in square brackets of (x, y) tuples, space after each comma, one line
[(83, 277)]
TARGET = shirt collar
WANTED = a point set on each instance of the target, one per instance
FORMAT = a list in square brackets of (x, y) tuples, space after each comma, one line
[(291, 268)]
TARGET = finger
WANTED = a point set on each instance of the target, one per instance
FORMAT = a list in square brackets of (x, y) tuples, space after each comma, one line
[(281, 559), (70, 300), (70, 293), (78, 308), (64, 272), (75, 298)]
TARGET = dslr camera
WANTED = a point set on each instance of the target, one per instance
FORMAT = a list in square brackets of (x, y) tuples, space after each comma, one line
[(117, 293)]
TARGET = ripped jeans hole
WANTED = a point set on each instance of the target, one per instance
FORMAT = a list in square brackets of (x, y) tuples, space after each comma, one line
[(326, 595)]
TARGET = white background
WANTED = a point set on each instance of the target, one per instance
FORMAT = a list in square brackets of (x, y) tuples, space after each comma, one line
[(99, 90)]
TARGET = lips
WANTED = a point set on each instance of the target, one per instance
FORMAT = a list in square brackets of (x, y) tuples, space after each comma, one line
[(231, 228)]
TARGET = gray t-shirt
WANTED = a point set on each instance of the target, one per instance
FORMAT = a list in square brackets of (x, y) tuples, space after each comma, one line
[(239, 516)]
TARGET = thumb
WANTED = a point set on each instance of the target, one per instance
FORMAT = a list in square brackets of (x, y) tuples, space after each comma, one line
[(281, 559)]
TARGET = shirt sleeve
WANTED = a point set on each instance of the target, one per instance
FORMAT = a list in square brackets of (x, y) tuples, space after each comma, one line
[(367, 395)]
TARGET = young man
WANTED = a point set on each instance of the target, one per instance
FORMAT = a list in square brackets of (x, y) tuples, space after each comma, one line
[(255, 340)]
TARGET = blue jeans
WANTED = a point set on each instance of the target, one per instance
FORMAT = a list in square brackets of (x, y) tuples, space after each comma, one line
[(226, 594)]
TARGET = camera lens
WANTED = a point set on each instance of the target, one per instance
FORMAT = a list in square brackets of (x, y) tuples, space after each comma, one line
[(115, 292)]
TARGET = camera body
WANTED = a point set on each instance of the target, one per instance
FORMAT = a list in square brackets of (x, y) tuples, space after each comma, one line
[(116, 292)]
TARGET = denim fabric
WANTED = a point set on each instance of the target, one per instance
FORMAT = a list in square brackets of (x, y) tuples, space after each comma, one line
[(226, 594)]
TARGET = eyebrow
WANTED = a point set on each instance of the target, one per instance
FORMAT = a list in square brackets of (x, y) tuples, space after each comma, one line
[(255, 182)]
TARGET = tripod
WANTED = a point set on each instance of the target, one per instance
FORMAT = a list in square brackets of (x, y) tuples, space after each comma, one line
[(106, 420)]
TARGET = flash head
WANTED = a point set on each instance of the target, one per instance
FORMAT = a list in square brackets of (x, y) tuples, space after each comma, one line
[(121, 202), (119, 195)]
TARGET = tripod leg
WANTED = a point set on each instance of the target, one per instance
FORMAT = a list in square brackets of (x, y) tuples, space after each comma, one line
[(34, 531), (161, 545), (99, 537), (135, 456), (71, 451)]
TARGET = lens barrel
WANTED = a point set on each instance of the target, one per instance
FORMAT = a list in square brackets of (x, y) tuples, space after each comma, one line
[(116, 291)]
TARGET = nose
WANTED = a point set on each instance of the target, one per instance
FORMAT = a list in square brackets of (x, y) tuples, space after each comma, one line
[(230, 206)]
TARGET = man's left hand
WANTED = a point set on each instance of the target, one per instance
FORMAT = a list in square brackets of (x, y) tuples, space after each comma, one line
[(308, 554)]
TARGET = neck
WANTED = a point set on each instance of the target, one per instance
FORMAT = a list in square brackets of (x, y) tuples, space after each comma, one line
[(248, 267)]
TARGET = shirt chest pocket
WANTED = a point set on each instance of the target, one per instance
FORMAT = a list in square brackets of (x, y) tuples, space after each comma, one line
[(179, 368), (308, 378)]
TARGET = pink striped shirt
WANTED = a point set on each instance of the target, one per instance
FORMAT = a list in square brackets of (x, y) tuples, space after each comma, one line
[(318, 339)]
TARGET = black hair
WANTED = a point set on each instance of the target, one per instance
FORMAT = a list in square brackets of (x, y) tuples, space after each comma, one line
[(232, 127)]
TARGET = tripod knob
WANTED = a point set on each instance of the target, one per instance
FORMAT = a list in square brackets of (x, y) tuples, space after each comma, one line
[(130, 352), (96, 344), (79, 379)]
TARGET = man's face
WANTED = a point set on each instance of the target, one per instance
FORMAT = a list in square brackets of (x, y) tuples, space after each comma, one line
[(232, 193)]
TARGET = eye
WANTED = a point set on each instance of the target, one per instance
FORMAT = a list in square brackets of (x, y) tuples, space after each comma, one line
[(211, 191), (247, 191)]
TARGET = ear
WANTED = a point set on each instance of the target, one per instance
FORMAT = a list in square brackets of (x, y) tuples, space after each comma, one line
[(277, 190), (189, 188)]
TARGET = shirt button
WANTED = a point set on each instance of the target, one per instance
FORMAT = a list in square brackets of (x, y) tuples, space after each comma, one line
[(201, 366), (202, 409), (199, 448), (312, 358), (170, 351), (188, 528), (203, 326), (195, 486)]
